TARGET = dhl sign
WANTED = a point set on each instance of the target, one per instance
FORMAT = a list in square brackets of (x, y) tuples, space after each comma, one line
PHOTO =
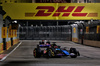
[(52, 11), (4, 32)]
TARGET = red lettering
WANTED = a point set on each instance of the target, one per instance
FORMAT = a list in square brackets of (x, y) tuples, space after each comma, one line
[(41, 13), (79, 9), (62, 9), (66, 14), (79, 14), (4, 32), (56, 14), (48, 10), (43, 10)]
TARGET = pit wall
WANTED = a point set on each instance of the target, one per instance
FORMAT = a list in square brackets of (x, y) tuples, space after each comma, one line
[(75, 33), (1, 41), (89, 35), (15, 40), (8, 39), (16, 37), (92, 43), (92, 34), (1, 47)]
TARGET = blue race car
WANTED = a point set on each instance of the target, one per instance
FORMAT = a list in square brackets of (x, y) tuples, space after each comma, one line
[(55, 51)]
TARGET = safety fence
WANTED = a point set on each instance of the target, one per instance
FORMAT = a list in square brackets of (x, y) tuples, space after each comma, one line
[(45, 32)]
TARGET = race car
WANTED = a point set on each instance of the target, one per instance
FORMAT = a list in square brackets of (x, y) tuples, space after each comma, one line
[(55, 51)]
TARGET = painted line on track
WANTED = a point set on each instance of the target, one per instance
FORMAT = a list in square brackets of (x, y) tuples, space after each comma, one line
[(11, 52)]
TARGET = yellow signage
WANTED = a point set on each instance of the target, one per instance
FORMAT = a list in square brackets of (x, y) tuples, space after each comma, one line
[(15, 33), (98, 28), (12, 33), (4, 32), (87, 29), (52, 11), (9, 32), (75, 40), (74, 30)]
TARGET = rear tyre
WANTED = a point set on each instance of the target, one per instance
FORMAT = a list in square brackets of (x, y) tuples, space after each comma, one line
[(73, 53), (37, 53)]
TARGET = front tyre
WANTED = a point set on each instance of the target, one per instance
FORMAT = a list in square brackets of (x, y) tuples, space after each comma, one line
[(73, 53)]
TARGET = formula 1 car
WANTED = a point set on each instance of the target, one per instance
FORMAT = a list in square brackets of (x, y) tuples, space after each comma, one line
[(55, 51)]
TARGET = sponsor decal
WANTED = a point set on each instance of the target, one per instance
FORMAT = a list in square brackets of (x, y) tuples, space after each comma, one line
[(64, 11)]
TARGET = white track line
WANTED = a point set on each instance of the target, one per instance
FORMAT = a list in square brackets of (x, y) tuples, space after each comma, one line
[(11, 52)]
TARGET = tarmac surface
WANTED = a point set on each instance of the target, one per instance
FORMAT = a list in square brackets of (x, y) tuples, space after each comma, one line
[(23, 55)]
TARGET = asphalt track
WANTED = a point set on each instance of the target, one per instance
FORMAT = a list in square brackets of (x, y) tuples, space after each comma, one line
[(23, 56)]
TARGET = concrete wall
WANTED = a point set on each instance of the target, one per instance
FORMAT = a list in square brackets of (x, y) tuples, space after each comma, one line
[(1, 40), (1, 24), (8, 40), (75, 33), (7, 22), (15, 38)]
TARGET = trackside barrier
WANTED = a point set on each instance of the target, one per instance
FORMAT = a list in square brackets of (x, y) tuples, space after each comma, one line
[(8, 44), (75, 40), (1, 47), (92, 43), (15, 41), (92, 34)]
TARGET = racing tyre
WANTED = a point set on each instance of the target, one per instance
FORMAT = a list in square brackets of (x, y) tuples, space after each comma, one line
[(37, 53), (73, 52)]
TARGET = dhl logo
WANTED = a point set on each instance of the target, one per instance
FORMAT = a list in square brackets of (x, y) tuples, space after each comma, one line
[(71, 10)]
